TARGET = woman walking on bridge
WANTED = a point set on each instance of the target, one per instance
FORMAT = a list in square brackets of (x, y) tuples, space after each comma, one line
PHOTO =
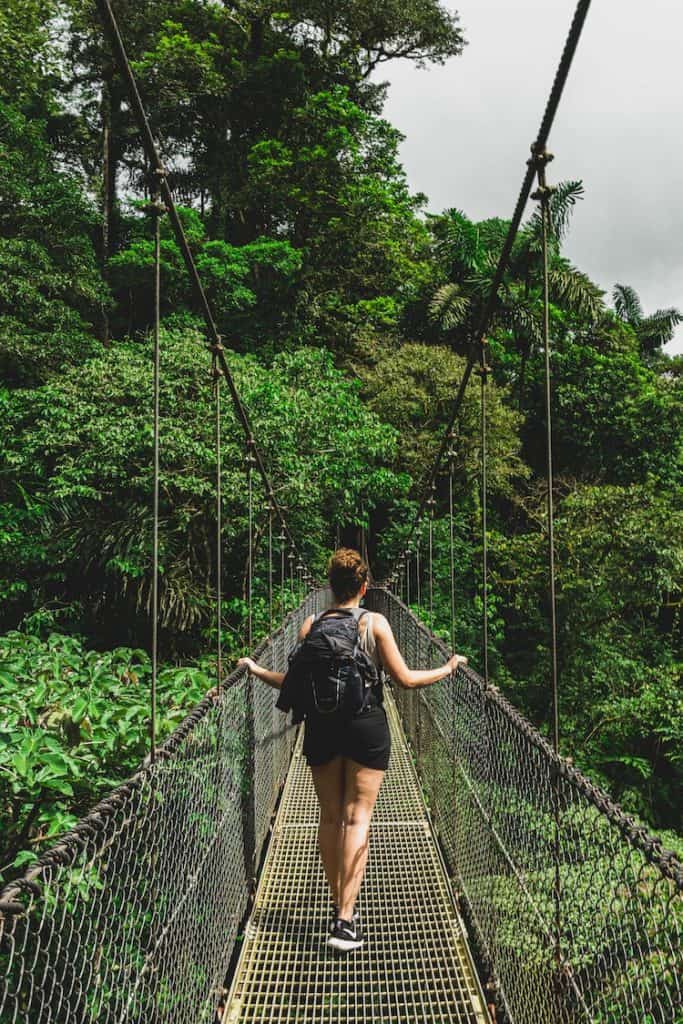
[(346, 750)]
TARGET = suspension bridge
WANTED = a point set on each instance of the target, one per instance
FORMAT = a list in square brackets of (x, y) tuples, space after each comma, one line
[(502, 883)]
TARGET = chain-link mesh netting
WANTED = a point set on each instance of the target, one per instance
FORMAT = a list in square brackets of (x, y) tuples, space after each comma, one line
[(576, 911), (133, 915)]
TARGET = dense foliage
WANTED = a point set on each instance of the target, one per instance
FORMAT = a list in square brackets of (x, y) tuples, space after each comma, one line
[(346, 315), (75, 723)]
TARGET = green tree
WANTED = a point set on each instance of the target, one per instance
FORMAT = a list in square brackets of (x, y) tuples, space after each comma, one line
[(251, 288), (80, 455), (51, 290), (336, 191), (412, 386), (615, 420), (620, 580), (25, 53)]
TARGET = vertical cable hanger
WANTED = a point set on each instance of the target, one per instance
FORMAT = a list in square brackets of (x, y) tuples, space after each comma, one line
[(217, 375), (250, 463), (363, 543), (270, 569), (431, 504), (156, 209), (418, 568), (488, 732), (451, 454), (484, 371), (282, 540), (539, 160)]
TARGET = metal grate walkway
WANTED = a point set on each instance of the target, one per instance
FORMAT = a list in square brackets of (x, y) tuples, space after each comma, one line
[(415, 964)]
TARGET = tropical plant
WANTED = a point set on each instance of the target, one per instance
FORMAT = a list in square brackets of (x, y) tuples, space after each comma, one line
[(75, 723), (652, 332)]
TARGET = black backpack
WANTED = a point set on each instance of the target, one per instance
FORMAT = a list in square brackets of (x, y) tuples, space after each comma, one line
[(328, 672)]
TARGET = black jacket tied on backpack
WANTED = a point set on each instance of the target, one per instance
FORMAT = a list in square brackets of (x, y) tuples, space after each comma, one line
[(329, 673)]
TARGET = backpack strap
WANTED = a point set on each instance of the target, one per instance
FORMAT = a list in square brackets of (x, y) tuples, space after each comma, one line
[(336, 611), (343, 611)]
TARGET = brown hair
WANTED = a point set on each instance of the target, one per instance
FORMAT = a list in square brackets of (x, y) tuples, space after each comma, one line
[(347, 572)]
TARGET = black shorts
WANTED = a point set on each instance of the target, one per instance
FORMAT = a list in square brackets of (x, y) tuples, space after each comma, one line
[(364, 738)]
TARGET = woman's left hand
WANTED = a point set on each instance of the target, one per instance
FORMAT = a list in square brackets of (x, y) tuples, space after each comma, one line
[(249, 663)]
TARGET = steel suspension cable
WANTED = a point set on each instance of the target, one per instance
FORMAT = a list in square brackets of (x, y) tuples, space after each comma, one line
[(156, 210), (149, 145), (486, 314)]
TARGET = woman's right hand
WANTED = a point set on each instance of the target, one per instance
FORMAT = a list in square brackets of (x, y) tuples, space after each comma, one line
[(248, 663), (454, 662)]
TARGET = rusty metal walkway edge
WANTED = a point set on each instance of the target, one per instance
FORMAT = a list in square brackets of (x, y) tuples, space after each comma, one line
[(415, 965)]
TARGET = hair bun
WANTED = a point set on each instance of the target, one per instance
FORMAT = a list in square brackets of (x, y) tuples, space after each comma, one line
[(347, 572)]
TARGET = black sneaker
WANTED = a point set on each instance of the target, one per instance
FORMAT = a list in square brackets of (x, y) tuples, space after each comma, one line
[(335, 917), (346, 935)]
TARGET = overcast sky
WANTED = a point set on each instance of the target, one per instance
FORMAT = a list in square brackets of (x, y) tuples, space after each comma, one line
[(469, 125)]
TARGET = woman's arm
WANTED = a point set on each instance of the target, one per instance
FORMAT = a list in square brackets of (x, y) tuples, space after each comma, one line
[(393, 662), (273, 679)]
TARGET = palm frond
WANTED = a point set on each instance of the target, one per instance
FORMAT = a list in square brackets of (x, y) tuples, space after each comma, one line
[(562, 204), (457, 241), (575, 291), (627, 304), (656, 330), (524, 321), (449, 307)]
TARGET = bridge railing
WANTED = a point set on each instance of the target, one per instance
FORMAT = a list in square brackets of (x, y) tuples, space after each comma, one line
[(133, 915), (576, 911)]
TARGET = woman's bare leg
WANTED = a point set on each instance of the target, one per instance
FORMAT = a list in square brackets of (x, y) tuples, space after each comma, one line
[(328, 780), (361, 786)]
